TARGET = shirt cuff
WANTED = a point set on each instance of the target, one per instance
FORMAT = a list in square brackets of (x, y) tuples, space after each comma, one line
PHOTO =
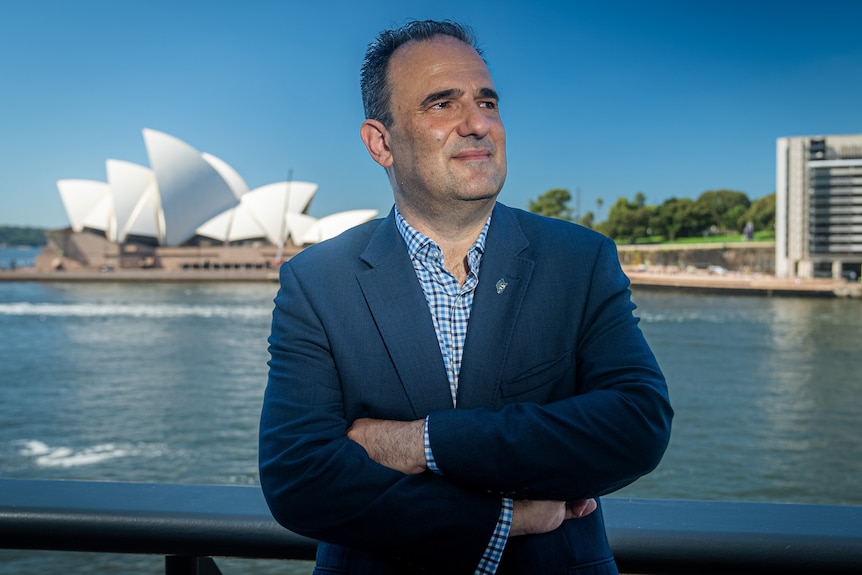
[(494, 551), (430, 464)]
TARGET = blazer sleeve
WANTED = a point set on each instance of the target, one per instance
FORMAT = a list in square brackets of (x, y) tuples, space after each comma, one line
[(612, 428), (322, 485)]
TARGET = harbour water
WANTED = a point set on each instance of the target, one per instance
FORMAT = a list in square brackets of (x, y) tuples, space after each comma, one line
[(12, 257), (162, 382)]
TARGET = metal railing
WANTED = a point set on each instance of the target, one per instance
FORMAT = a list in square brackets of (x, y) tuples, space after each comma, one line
[(190, 524)]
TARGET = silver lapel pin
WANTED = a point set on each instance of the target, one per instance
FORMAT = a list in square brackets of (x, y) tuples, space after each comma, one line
[(501, 285)]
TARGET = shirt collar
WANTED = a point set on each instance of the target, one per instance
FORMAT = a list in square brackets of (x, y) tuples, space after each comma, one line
[(418, 242)]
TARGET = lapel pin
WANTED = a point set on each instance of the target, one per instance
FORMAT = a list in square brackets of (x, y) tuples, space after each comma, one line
[(501, 285)]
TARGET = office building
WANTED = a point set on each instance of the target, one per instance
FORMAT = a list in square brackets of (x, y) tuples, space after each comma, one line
[(818, 206)]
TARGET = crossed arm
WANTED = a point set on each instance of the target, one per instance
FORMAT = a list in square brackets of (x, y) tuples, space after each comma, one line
[(324, 481), (400, 445)]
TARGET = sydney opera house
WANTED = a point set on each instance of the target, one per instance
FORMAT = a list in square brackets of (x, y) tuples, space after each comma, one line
[(187, 210)]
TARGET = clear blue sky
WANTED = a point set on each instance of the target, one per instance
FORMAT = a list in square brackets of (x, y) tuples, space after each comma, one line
[(670, 98)]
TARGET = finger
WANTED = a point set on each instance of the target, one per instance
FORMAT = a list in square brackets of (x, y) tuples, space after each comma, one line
[(581, 507)]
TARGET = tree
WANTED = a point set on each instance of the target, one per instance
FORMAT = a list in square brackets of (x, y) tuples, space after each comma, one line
[(22, 236), (554, 203), (761, 213), (628, 220), (680, 218), (734, 218), (720, 202)]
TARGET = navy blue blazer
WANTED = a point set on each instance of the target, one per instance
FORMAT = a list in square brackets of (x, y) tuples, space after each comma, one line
[(559, 398)]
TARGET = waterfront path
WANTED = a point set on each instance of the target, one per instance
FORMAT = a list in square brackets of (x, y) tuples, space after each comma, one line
[(744, 284), (143, 275), (732, 282)]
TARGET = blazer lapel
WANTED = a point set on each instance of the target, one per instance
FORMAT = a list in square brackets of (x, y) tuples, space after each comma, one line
[(503, 279), (399, 310)]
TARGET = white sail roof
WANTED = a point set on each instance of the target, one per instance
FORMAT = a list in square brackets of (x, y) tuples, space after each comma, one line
[(299, 226), (270, 203), (234, 225), (188, 193), (101, 216), (191, 190), (147, 220), (133, 189), (226, 171), (80, 198), (217, 228), (331, 226)]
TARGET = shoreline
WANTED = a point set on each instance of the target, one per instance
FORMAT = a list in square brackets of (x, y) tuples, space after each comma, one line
[(734, 283), (150, 275)]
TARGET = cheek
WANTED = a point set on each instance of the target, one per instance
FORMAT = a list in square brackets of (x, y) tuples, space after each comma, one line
[(437, 137), (500, 143), (500, 134), (431, 131)]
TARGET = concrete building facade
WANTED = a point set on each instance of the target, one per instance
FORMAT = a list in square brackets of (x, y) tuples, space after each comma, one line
[(818, 206)]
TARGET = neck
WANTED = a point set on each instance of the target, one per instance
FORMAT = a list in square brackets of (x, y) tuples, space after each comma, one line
[(455, 233), (450, 228)]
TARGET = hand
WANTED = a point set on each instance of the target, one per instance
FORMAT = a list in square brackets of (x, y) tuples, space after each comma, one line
[(580, 508), (533, 517), (398, 445)]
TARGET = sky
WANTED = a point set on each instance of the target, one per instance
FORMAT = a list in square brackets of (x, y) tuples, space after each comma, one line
[(606, 99)]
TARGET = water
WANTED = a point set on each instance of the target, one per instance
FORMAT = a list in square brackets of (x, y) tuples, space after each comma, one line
[(17, 257), (766, 393), (163, 383), (145, 382)]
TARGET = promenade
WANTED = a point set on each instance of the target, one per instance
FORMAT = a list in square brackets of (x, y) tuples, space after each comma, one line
[(144, 275), (743, 284), (658, 278)]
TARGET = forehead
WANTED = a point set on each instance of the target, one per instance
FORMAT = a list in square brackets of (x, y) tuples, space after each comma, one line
[(440, 63)]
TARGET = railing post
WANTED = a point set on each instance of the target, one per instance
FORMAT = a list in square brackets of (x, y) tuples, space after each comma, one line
[(184, 565)]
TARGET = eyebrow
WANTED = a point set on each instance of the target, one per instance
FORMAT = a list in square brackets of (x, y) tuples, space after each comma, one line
[(489, 93), (454, 93)]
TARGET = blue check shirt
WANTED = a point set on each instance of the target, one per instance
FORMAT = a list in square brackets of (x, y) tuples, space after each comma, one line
[(450, 304)]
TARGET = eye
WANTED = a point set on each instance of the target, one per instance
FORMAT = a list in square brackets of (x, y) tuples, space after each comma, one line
[(488, 104), (440, 105)]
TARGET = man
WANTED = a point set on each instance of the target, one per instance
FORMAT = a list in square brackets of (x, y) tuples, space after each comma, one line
[(452, 387)]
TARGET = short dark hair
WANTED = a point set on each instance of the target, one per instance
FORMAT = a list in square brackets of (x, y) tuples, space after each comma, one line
[(373, 79)]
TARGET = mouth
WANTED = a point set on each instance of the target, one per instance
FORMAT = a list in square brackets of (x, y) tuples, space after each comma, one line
[(472, 154)]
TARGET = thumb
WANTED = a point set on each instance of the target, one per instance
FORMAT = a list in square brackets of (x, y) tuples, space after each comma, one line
[(580, 508)]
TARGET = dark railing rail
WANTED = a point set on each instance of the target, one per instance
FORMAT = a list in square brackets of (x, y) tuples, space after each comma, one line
[(190, 523)]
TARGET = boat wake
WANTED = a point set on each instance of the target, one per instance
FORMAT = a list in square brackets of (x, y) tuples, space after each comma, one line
[(46, 456), (133, 310)]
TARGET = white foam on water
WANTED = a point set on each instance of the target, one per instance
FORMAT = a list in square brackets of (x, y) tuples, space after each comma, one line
[(133, 310), (63, 457)]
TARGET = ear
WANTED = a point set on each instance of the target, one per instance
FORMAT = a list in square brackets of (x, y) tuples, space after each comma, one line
[(375, 136)]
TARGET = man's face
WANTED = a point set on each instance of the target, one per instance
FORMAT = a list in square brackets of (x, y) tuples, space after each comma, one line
[(447, 141)]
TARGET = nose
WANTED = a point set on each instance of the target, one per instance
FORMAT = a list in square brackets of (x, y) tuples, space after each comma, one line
[(476, 121)]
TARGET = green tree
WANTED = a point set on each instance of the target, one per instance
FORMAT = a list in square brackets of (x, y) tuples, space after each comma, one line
[(734, 217), (721, 202), (22, 236), (680, 218), (587, 220), (628, 220), (761, 213), (554, 203)]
